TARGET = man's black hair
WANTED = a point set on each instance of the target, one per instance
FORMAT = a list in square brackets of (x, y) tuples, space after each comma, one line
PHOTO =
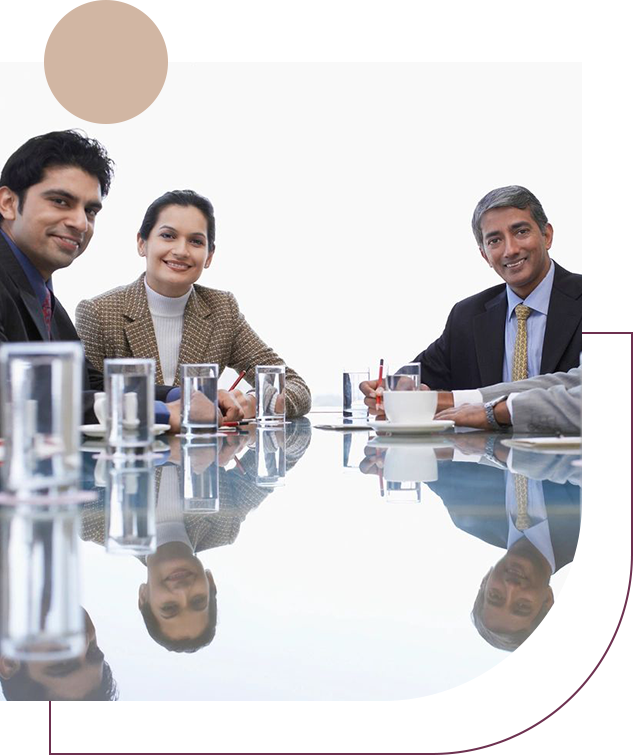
[(57, 149)]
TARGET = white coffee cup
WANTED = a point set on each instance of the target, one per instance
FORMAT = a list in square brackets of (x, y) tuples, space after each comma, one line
[(410, 407), (100, 407)]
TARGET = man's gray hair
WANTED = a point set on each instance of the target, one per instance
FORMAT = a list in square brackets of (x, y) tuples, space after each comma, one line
[(502, 640), (508, 196)]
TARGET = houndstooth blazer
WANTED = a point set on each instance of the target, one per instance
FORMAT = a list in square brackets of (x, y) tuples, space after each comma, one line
[(118, 324)]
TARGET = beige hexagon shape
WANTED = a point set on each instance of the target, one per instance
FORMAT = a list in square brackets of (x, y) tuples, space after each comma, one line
[(106, 61)]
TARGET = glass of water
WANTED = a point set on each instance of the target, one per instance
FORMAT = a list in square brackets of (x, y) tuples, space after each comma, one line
[(270, 394), (41, 414), (353, 397), (129, 403), (199, 406), (407, 378)]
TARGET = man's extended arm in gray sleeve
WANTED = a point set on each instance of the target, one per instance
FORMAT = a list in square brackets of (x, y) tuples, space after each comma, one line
[(567, 380), (544, 403)]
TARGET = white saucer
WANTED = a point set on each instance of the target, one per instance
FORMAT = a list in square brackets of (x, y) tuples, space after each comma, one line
[(98, 431), (404, 428)]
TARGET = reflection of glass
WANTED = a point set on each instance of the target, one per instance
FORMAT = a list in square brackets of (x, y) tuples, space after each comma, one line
[(200, 480), (270, 393), (354, 449), (129, 402), (406, 379), (353, 397), (403, 492), (199, 399), (130, 506), (41, 415), (270, 450), (41, 616)]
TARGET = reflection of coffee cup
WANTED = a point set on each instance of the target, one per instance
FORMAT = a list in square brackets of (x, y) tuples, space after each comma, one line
[(100, 407), (410, 407), (410, 463)]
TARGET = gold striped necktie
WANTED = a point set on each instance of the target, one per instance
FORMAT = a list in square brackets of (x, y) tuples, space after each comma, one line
[(523, 521), (520, 360), (520, 372)]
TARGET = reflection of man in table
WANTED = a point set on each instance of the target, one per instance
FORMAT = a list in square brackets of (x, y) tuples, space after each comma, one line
[(88, 677), (536, 520)]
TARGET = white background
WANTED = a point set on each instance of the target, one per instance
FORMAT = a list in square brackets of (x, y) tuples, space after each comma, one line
[(344, 192)]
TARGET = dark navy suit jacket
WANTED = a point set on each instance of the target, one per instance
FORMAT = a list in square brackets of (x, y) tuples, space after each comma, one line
[(470, 351), (475, 496)]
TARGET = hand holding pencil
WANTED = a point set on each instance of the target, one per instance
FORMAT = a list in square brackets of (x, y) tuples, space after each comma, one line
[(373, 393)]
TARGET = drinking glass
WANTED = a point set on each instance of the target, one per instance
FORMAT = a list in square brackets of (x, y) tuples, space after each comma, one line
[(407, 378), (129, 403), (199, 407), (270, 393), (41, 414), (353, 397)]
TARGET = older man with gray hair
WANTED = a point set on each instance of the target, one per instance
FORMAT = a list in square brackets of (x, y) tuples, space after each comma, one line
[(529, 325)]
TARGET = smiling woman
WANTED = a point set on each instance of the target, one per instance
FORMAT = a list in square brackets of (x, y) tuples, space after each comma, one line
[(166, 316)]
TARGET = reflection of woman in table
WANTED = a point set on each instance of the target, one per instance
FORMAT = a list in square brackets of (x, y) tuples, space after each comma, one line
[(178, 600), (87, 677), (167, 316)]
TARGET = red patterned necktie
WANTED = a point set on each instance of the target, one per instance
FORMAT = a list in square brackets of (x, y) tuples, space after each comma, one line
[(47, 311)]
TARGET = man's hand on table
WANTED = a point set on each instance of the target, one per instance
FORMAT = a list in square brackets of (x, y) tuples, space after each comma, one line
[(474, 415)]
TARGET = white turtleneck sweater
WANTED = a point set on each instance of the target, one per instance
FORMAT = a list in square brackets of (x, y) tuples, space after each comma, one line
[(168, 314)]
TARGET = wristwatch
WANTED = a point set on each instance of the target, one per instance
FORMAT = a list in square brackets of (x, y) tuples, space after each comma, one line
[(489, 408)]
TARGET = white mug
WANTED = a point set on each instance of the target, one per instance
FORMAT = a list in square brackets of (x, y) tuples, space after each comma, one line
[(100, 407)]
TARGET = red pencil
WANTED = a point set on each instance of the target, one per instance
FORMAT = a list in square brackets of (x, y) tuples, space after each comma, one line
[(239, 377), (378, 396)]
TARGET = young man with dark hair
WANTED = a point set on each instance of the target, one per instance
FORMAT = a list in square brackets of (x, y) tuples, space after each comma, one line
[(51, 190)]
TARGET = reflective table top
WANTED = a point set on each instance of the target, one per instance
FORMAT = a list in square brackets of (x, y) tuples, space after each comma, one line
[(287, 564)]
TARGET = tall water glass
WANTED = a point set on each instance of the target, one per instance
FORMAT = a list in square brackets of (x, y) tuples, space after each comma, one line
[(353, 397), (270, 457), (41, 618), (270, 393), (200, 478), (130, 505), (407, 378), (40, 384), (129, 387), (199, 404)]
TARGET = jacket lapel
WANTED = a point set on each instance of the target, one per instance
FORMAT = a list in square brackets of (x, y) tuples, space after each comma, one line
[(196, 332), (563, 318), (12, 268), (489, 332), (139, 330)]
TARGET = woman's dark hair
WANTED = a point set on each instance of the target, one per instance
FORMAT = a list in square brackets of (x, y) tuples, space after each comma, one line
[(57, 149), (184, 198)]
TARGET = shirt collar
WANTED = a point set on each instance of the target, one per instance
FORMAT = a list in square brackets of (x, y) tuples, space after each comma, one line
[(38, 284), (538, 300)]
